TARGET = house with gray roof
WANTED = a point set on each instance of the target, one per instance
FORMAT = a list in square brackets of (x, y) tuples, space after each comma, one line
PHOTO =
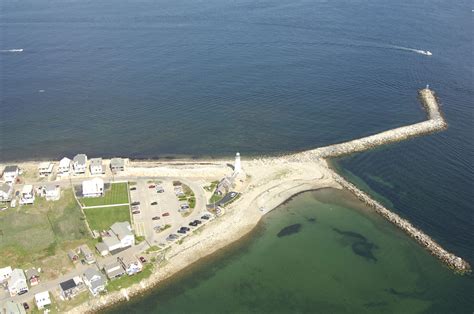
[(79, 163), (17, 282), (12, 307), (117, 164), (10, 173), (88, 255), (94, 280), (96, 166), (123, 232), (114, 270), (6, 192)]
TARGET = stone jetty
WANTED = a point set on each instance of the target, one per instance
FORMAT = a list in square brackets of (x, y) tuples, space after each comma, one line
[(454, 262), (434, 123)]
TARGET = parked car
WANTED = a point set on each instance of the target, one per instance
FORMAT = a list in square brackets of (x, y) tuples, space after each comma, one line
[(193, 223), (159, 189), (165, 214), (154, 203), (135, 203), (181, 231), (133, 188), (184, 206), (26, 306), (198, 221), (205, 217), (142, 259), (136, 212), (136, 207), (155, 218), (184, 228), (151, 186)]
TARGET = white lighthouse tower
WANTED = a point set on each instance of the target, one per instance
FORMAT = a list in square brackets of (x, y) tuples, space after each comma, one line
[(237, 165)]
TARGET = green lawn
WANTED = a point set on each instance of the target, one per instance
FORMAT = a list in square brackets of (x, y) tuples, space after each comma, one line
[(101, 218), (116, 194), (30, 234)]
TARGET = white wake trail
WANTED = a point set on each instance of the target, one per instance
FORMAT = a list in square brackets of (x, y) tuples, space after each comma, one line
[(12, 50)]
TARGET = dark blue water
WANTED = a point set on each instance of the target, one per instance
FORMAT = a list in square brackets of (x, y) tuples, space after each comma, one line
[(208, 78)]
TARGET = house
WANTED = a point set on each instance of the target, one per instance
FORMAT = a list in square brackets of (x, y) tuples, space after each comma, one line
[(224, 186), (64, 166), (93, 188), (32, 275), (45, 169), (123, 231), (42, 300), (112, 243), (79, 164), (113, 270), (94, 280), (10, 173), (12, 307), (96, 166), (27, 195), (73, 256), (131, 264), (102, 248), (88, 255), (52, 192), (5, 274), (117, 165), (17, 283), (70, 288), (6, 192)]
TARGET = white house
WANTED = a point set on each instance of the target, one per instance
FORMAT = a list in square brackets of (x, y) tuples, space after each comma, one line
[(121, 236), (112, 243), (117, 164), (42, 299), (93, 188), (45, 169), (10, 173), (27, 195), (5, 274), (96, 166), (123, 231), (6, 192), (79, 163), (131, 264), (17, 283), (64, 166), (52, 192), (94, 280)]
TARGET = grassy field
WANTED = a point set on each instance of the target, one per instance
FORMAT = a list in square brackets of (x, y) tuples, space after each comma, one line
[(39, 235), (116, 194), (101, 218)]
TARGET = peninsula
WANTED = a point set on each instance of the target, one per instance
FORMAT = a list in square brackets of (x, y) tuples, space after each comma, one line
[(211, 203)]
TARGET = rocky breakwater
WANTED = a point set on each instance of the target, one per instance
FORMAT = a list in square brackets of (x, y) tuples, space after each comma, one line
[(434, 123), (454, 262)]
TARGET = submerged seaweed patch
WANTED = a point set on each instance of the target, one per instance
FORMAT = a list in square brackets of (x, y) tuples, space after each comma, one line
[(311, 219), (289, 230), (360, 245)]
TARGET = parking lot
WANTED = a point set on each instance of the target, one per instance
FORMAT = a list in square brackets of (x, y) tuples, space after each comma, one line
[(161, 210)]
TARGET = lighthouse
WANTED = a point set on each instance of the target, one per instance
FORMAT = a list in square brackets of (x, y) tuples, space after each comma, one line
[(237, 165)]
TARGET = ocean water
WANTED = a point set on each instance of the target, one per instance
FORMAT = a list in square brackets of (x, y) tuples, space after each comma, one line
[(335, 257), (163, 78)]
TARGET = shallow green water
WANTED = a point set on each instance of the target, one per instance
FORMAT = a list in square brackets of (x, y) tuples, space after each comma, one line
[(334, 257)]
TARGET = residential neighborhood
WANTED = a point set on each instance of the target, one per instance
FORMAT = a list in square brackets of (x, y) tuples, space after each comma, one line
[(128, 224)]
